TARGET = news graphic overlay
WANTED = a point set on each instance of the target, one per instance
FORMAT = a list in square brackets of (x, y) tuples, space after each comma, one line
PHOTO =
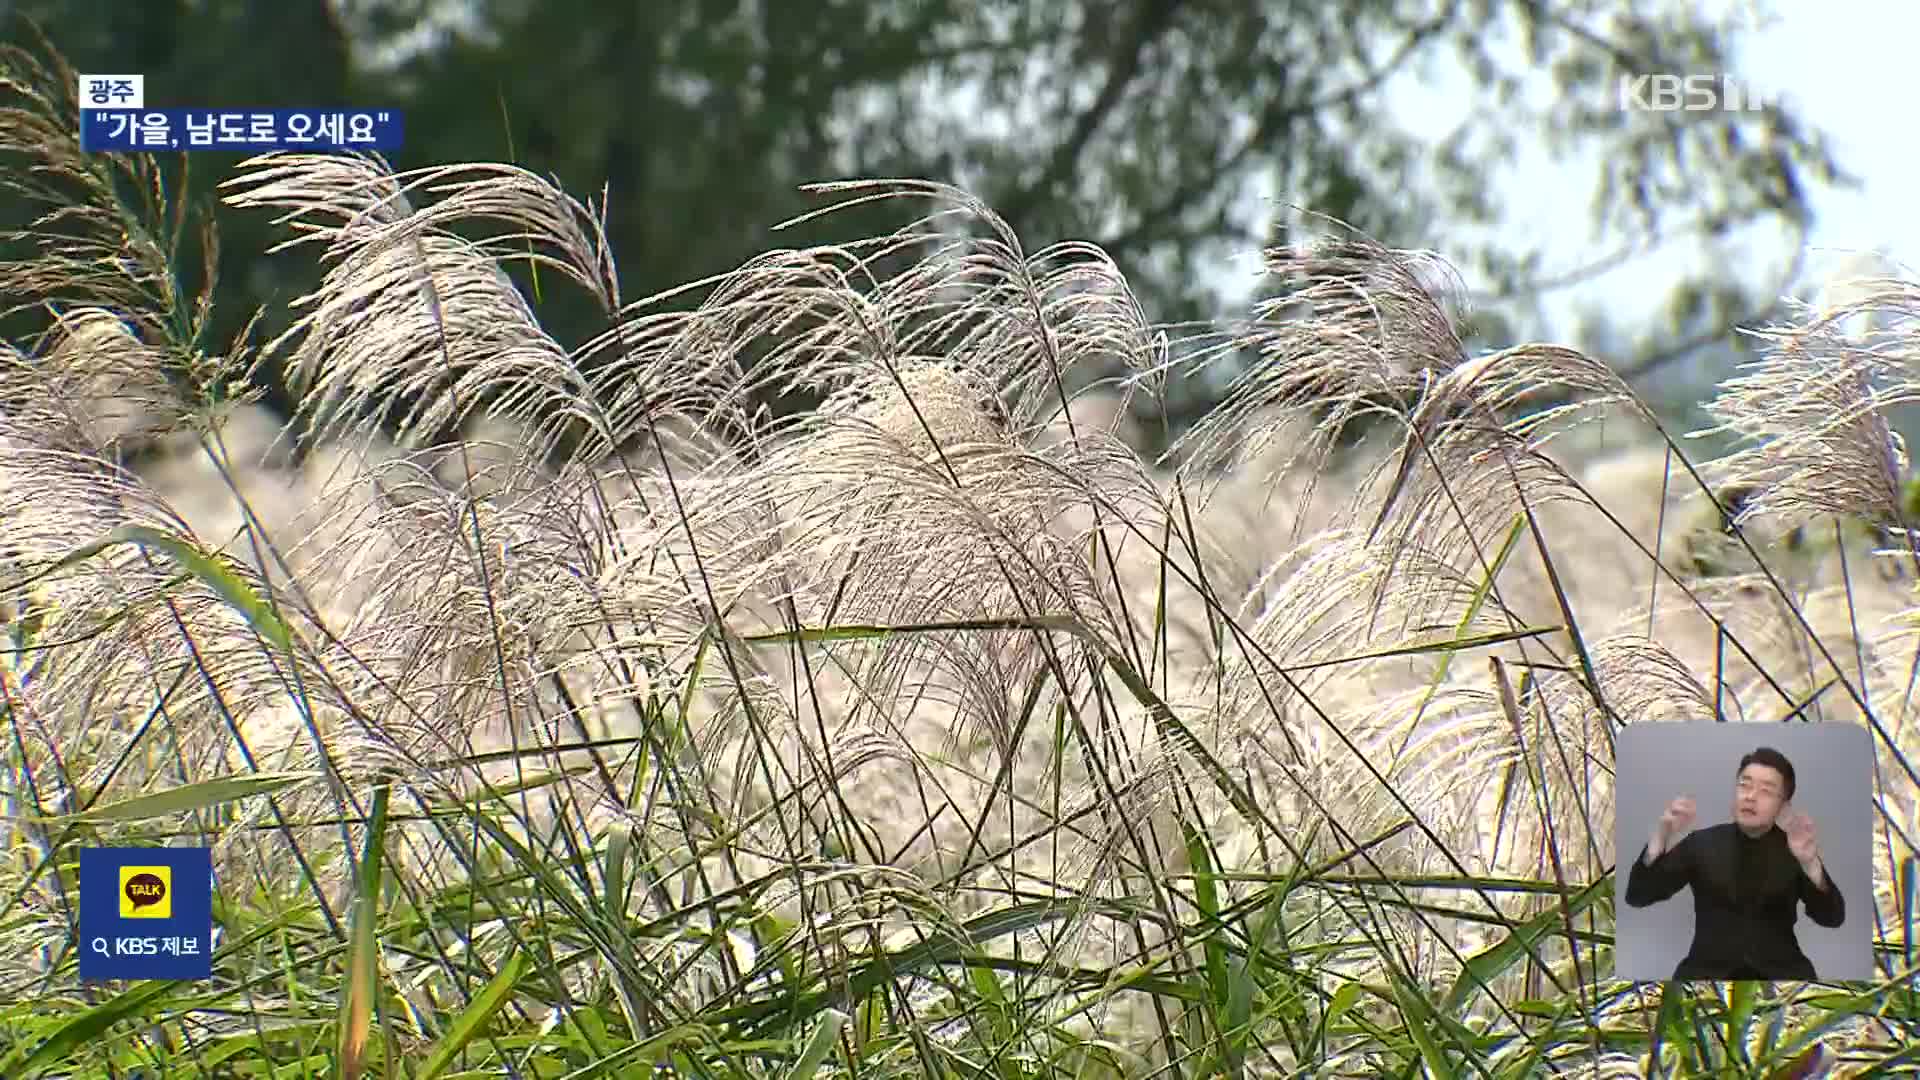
[(115, 117), (1744, 851), (146, 913)]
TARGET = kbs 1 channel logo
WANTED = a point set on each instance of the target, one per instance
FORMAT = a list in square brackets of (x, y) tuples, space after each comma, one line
[(115, 118), (146, 913)]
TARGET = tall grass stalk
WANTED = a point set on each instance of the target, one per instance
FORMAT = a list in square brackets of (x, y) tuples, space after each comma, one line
[(553, 711)]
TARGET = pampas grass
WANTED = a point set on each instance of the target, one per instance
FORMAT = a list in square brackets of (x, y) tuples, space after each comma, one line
[(935, 731)]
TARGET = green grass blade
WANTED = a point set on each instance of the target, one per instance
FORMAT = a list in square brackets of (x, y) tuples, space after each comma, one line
[(619, 844), (985, 982), (1542, 1040), (1343, 1000), (474, 1018), (1445, 646), (1206, 894), (506, 123), (617, 1063), (357, 1001), (211, 573), (819, 1045), (869, 632), (191, 797), (1740, 1006), (529, 782), (1520, 942), (1414, 1011), (1220, 993), (86, 1028), (1909, 884), (1478, 601), (940, 947)]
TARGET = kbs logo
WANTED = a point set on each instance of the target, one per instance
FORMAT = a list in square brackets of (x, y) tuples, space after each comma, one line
[(146, 892), (1667, 92)]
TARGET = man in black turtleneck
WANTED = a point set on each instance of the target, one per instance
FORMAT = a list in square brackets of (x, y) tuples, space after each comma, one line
[(1749, 877)]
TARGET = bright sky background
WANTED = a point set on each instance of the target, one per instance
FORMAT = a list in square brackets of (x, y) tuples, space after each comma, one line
[(1849, 67)]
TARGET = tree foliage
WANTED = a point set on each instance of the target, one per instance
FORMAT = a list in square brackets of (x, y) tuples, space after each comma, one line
[(1167, 131)]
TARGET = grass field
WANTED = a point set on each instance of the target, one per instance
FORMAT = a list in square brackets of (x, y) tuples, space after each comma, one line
[(936, 732)]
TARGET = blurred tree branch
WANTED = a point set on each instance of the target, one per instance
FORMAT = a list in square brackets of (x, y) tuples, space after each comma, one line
[(1162, 129), (1152, 18)]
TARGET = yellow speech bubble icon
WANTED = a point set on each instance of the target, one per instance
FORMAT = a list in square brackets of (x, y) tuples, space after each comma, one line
[(146, 892)]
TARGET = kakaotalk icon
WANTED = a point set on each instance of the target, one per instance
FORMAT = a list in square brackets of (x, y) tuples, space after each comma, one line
[(146, 892)]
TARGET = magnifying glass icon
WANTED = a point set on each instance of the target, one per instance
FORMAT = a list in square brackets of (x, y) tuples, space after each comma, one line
[(99, 945)]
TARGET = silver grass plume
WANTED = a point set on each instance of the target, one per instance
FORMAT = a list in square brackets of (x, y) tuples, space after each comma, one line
[(835, 318), (1502, 785), (1025, 324), (137, 634), (1335, 597), (95, 387), (412, 308), (1475, 409), (1360, 329), (1811, 413), (882, 525), (96, 249), (1467, 471)]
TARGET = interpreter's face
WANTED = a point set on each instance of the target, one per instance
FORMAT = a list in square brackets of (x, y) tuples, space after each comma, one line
[(1758, 794)]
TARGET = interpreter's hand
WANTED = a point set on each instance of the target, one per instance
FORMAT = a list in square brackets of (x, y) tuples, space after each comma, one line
[(1677, 819), (1673, 824), (1802, 839)]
